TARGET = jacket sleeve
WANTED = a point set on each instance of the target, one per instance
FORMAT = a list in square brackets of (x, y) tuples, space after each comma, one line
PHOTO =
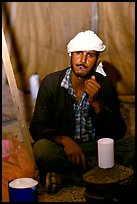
[(109, 121), (42, 124)]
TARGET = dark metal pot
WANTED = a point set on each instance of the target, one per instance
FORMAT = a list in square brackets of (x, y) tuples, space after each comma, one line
[(101, 185)]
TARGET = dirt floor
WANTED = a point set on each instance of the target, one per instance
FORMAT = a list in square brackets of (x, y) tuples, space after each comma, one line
[(68, 194)]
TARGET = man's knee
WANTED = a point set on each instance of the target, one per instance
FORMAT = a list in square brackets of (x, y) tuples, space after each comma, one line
[(125, 150), (44, 149)]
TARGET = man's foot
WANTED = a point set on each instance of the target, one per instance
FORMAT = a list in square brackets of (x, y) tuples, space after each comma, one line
[(54, 181)]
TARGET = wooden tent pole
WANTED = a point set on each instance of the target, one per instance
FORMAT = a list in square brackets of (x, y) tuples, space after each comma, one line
[(15, 96)]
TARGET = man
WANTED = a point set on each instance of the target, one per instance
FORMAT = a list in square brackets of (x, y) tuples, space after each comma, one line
[(74, 108)]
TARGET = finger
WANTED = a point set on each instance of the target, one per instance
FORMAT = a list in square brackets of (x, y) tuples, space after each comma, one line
[(91, 89), (93, 77), (78, 159), (69, 157), (91, 86), (92, 83), (74, 159)]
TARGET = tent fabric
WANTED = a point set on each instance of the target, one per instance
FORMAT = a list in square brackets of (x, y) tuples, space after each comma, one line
[(42, 30), (117, 29)]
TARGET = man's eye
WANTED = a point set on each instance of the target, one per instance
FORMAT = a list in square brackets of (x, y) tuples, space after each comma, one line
[(90, 55), (78, 52)]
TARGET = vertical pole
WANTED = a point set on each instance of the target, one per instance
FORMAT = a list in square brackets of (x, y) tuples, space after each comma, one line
[(94, 16), (15, 96), (13, 6)]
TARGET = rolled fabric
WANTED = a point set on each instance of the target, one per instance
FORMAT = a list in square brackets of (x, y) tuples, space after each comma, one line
[(85, 40)]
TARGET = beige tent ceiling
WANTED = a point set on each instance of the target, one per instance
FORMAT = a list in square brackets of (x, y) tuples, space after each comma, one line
[(38, 32)]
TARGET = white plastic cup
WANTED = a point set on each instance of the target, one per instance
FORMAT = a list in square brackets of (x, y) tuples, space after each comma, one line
[(105, 153)]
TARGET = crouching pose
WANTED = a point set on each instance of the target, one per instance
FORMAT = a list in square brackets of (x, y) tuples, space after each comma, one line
[(74, 108)]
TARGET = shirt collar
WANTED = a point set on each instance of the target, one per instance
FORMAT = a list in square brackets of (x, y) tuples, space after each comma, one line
[(66, 82)]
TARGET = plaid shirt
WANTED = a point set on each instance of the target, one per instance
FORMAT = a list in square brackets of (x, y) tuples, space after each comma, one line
[(84, 128)]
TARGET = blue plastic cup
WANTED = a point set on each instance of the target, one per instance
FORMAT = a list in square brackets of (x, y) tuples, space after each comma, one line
[(23, 190)]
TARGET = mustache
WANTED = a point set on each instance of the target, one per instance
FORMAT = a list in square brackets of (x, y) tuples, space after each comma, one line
[(83, 65)]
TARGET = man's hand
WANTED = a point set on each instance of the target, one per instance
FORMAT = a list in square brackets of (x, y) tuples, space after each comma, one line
[(74, 152), (92, 88)]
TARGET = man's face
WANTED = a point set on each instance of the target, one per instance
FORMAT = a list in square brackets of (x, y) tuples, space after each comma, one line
[(83, 63)]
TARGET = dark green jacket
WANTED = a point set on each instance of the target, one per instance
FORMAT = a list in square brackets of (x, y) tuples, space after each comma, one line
[(54, 114)]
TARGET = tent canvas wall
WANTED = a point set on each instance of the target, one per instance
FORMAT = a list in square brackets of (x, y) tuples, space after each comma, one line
[(38, 32)]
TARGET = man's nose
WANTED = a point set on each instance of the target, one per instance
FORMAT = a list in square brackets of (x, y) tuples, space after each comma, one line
[(83, 57)]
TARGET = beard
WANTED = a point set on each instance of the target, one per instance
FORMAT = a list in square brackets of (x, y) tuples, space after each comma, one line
[(86, 76)]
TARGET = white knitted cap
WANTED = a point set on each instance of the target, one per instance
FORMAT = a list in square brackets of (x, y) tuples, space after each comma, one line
[(86, 40)]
